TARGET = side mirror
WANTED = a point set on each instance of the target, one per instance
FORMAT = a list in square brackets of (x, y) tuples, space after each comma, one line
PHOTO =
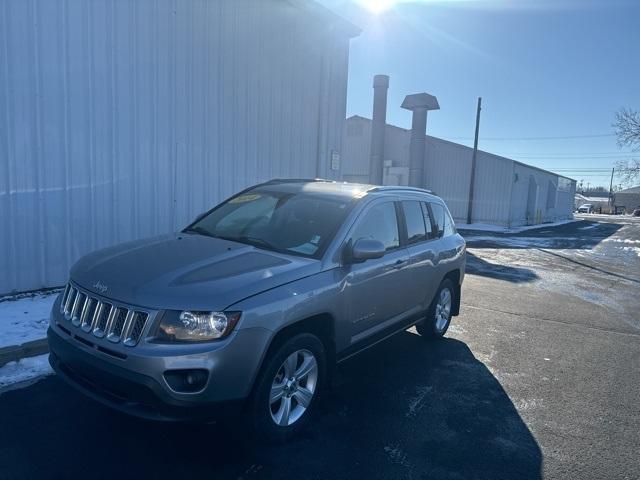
[(366, 249)]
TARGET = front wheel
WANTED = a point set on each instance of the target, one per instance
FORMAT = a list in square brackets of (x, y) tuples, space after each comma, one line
[(438, 317), (288, 387)]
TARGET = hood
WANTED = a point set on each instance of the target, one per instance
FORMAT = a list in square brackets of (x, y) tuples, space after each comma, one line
[(186, 271)]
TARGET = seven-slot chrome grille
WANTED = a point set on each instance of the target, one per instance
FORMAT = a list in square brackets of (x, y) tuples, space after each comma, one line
[(118, 323)]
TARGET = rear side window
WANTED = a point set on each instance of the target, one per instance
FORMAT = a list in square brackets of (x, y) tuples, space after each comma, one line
[(442, 220), (379, 223), (415, 222), (427, 219)]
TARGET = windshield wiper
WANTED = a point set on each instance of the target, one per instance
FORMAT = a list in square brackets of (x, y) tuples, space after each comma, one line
[(200, 231), (255, 241)]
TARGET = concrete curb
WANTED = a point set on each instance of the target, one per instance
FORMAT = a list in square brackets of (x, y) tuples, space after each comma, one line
[(28, 349)]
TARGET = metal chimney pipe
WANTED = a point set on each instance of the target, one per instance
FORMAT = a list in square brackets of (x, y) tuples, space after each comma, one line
[(419, 104), (378, 127), (417, 146)]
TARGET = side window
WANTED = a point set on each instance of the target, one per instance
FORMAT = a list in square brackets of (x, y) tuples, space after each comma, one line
[(414, 219), (443, 220), (427, 220), (449, 226), (379, 223)]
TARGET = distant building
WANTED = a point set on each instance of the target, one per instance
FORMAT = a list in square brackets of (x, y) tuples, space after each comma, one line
[(628, 199), (506, 192), (598, 204)]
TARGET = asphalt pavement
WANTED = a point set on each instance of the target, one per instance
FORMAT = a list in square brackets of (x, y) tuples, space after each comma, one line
[(538, 378)]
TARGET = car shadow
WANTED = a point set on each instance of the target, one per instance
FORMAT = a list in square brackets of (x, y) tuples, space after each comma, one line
[(483, 268), (402, 409)]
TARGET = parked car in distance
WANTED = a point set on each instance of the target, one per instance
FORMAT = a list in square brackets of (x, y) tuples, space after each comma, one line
[(585, 208), (636, 212), (248, 307)]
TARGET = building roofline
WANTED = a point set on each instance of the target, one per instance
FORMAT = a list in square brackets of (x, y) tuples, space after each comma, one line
[(429, 137), (351, 29)]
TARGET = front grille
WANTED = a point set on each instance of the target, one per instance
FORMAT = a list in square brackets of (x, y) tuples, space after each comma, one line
[(118, 323)]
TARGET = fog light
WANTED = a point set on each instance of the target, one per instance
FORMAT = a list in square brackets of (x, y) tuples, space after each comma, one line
[(186, 381)]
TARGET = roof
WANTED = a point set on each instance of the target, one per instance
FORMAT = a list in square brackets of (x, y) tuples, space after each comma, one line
[(591, 199), (335, 188), (420, 100), (630, 190)]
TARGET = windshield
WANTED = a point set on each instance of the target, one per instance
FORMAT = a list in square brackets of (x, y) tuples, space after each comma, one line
[(298, 223)]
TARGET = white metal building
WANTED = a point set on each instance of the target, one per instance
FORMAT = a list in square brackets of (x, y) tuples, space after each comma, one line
[(506, 192), (121, 119)]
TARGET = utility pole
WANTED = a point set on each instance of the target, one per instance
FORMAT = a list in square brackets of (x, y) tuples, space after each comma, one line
[(473, 162), (611, 185)]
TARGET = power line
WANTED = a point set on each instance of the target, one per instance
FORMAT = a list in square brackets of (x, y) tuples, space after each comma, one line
[(565, 137)]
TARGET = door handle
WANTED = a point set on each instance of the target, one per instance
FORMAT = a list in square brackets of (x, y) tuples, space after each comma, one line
[(399, 263)]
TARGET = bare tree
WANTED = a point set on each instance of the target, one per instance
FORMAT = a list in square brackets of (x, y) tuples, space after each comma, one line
[(627, 127), (628, 170)]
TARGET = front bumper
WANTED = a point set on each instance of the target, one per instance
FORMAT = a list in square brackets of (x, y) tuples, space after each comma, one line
[(134, 382)]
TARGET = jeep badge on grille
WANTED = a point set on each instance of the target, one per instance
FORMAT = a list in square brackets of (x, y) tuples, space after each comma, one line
[(101, 287)]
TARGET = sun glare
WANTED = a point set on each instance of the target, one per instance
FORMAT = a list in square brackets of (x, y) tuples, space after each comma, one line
[(378, 6)]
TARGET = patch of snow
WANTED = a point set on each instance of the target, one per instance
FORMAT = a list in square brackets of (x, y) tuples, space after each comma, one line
[(621, 240), (632, 249), (486, 227), (26, 318), (589, 227), (24, 370), (528, 404)]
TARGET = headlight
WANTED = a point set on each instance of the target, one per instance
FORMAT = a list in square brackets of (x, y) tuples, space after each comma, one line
[(190, 326)]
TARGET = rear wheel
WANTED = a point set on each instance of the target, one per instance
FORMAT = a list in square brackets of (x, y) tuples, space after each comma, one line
[(438, 317), (288, 387)]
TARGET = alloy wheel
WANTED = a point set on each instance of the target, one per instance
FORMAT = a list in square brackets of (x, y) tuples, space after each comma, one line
[(443, 309), (293, 387)]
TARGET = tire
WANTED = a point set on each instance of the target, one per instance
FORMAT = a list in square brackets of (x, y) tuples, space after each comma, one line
[(438, 317), (297, 388)]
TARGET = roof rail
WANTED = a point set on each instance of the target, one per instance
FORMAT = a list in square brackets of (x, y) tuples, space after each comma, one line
[(298, 180), (391, 188)]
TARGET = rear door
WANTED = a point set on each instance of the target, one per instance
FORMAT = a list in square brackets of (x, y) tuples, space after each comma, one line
[(421, 242), (449, 246), (375, 291)]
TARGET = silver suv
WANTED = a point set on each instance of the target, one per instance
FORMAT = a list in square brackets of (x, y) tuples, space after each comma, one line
[(250, 306)]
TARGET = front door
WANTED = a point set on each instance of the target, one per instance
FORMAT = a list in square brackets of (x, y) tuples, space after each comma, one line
[(375, 291)]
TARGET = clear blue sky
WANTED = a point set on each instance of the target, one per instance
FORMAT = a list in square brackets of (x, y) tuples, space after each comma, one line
[(543, 68)]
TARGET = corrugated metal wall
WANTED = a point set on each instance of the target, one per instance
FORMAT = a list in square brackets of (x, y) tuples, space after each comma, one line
[(492, 192), (553, 197), (121, 119), (447, 172)]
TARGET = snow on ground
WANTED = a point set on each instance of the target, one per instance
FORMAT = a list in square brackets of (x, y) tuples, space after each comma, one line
[(621, 240), (24, 370), (632, 250), (485, 227), (26, 318)]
